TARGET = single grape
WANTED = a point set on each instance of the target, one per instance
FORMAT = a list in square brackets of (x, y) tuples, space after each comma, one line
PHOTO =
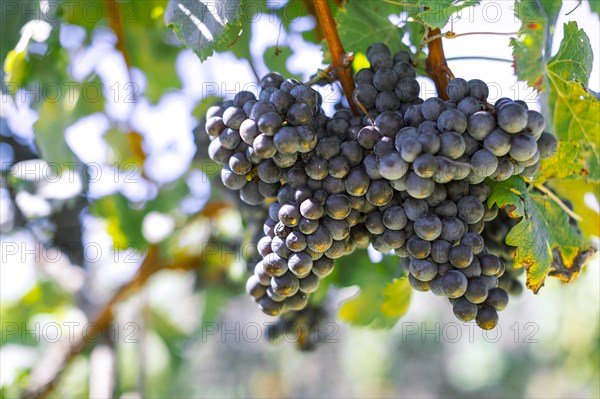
[(432, 108), (439, 251), (286, 284), (269, 306), (274, 265), (484, 163), (469, 106), (379, 192), (425, 165), (486, 318), (423, 269), (418, 187), (464, 310), (418, 248), (454, 284), (547, 145), (407, 89), (415, 208), (418, 285), (477, 291), (309, 284), (458, 89), (357, 182), (470, 209), (323, 266), (337, 206), (490, 264), (498, 142), (391, 166), (428, 227), (478, 89), (512, 118), (497, 298), (320, 240), (452, 230), (365, 95), (394, 218), (452, 145), (452, 120), (523, 147), (460, 256)]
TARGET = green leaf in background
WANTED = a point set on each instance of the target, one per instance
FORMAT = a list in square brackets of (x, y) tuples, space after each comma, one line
[(544, 228), (155, 58), (595, 6), (125, 147), (382, 300), (356, 22), (205, 27), (438, 12), (75, 101), (569, 162), (13, 20), (276, 59), (146, 43), (124, 223), (535, 34), (574, 191), (575, 111)]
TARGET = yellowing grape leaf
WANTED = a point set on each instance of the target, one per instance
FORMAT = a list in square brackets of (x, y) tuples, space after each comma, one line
[(205, 26), (437, 13), (575, 111), (574, 192), (569, 162), (546, 242), (382, 299), (537, 28)]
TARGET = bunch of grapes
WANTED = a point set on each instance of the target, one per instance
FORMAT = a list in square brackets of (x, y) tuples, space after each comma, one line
[(406, 176)]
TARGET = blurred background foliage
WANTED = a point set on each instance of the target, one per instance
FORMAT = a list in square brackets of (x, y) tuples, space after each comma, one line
[(136, 247)]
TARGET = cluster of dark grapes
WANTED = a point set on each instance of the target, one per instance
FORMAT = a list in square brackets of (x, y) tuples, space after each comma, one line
[(494, 234), (406, 176)]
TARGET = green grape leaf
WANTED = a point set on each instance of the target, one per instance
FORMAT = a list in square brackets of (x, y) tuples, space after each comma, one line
[(546, 242), (57, 113), (154, 57), (574, 191), (361, 23), (205, 26), (438, 12), (575, 112), (13, 18), (382, 300), (595, 6), (569, 162), (276, 58), (537, 28)]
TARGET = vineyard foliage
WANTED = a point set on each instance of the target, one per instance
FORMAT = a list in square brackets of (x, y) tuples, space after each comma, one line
[(555, 225)]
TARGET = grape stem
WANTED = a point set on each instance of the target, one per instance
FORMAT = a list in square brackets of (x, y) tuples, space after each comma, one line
[(558, 201), (338, 55), (435, 63), (452, 35), (478, 58)]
